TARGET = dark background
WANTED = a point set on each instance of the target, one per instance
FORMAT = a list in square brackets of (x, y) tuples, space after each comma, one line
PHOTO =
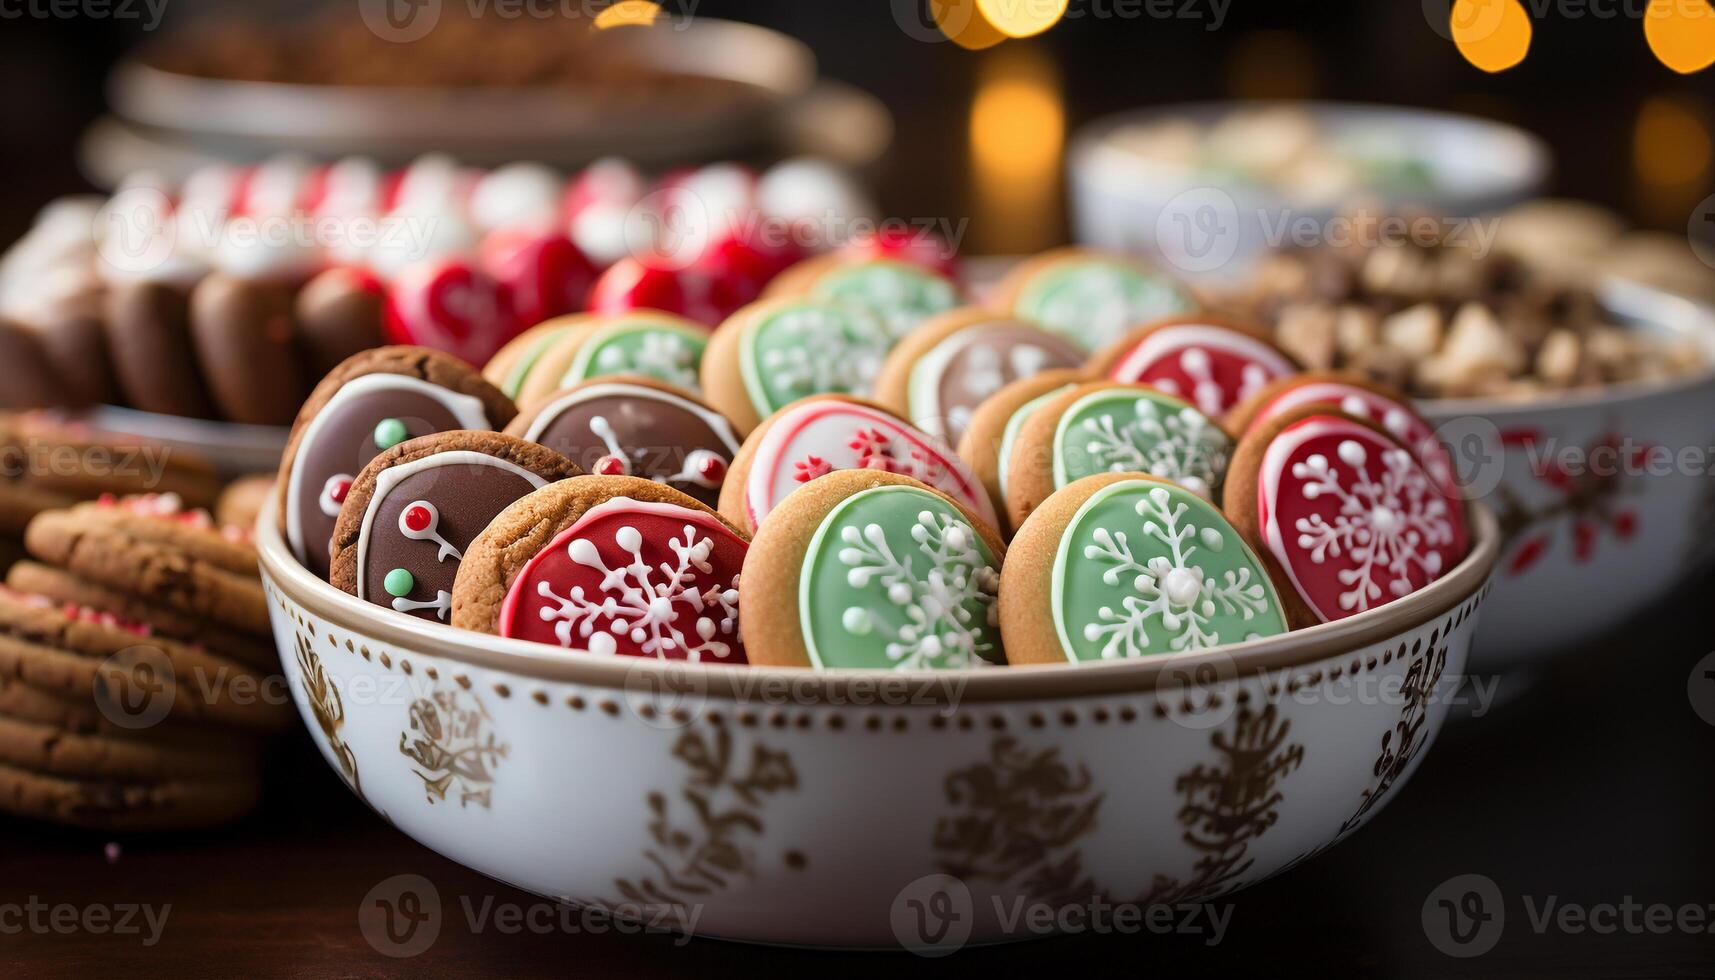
[(1594, 784)]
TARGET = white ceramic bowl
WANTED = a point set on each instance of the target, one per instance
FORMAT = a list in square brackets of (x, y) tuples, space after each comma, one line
[(1647, 525), (858, 809), (1207, 226)]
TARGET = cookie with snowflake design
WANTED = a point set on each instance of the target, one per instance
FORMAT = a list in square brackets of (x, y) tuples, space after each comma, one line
[(939, 374), (1348, 518), (368, 404), (1118, 566), (634, 426), (566, 350), (415, 509), (770, 354), (988, 443), (1110, 427), (902, 295), (1212, 364), (826, 433), (1088, 296), (1356, 395), (608, 565), (868, 570)]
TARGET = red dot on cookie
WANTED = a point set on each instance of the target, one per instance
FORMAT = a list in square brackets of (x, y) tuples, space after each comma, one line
[(612, 466), (712, 468), (418, 518)]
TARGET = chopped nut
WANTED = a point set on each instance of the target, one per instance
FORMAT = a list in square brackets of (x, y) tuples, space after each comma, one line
[(1306, 332), (1356, 329), (1557, 361), (1399, 271), (1415, 332), (1389, 365), (1476, 344)]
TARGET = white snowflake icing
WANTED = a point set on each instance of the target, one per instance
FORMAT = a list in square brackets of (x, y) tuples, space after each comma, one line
[(941, 630), (825, 350), (1172, 588), (1207, 393), (659, 354), (1386, 526), (653, 613), (1182, 446)]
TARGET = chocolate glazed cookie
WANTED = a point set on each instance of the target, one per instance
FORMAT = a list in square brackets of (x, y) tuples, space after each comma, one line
[(415, 509), (244, 334), (149, 336), (368, 404), (634, 426)]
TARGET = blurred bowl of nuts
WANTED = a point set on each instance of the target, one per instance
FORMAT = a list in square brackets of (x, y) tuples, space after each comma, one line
[(1212, 188), (1580, 406)]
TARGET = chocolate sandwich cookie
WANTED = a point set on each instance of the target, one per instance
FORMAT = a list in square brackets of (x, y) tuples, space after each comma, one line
[(633, 426), (79, 654), (34, 578), (611, 565), (159, 551), (244, 338), (939, 374), (176, 804), (154, 356), (370, 403), (415, 509), (338, 314)]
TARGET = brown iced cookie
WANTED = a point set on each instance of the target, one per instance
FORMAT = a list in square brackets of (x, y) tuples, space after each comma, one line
[(634, 426), (78, 654), (27, 379), (243, 499), (243, 332), (64, 587), (943, 370), (154, 356), (987, 443), (179, 804), (416, 508), (155, 549), (609, 565), (338, 314), (370, 403), (892, 574)]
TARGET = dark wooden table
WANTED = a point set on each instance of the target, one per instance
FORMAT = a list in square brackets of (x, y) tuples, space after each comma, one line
[(1592, 786)]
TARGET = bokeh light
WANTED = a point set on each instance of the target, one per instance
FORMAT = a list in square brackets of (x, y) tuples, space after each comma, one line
[(1681, 33), (1493, 35)]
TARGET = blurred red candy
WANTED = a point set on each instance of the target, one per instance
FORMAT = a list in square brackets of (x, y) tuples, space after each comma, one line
[(543, 274), (450, 305)]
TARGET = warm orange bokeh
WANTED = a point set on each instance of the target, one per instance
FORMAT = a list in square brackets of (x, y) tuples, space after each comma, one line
[(1494, 35), (1681, 33)]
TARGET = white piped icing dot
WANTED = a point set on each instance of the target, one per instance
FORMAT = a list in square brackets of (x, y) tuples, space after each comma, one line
[(1352, 453)]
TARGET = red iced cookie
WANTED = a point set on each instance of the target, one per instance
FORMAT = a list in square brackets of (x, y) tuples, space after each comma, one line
[(542, 273), (1351, 516), (1212, 365), (450, 305)]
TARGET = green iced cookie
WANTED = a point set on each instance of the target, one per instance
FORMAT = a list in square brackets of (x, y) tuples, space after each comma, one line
[(1125, 430), (1094, 301), (900, 294), (810, 348), (655, 348)]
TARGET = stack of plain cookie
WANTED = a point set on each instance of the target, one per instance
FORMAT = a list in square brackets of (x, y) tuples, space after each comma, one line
[(137, 682)]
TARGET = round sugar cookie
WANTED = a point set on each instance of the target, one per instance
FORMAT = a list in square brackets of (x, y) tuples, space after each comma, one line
[(370, 403), (824, 433), (414, 510), (1347, 518), (902, 295), (989, 442), (635, 426), (1211, 363), (1356, 395), (768, 355), (1088, 296), (939, 374), (868, 570), (1112, 427), (609, 565), (1121, 566), (566, 350)]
